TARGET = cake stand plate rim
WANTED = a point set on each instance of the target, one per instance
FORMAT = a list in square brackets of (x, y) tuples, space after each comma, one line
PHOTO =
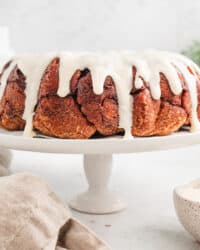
[(116, 144)]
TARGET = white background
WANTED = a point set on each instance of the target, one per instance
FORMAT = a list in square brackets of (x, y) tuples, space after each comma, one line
[(105, 24), (145, 180)]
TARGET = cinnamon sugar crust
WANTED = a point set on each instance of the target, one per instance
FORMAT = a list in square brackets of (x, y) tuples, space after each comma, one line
[(82, 113)]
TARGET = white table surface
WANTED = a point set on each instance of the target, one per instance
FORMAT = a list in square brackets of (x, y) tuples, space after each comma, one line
[(145, 180)]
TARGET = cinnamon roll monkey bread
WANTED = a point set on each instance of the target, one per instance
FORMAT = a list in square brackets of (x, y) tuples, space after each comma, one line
[(81, 95)]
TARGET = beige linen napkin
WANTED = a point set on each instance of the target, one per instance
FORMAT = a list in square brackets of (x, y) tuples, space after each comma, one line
[(5, 158), (32, 217)]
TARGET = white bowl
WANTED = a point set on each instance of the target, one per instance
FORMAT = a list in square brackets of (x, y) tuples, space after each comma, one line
[(187, 205)]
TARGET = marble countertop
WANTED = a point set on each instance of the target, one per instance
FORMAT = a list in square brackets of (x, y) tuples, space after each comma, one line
[(145, 180)]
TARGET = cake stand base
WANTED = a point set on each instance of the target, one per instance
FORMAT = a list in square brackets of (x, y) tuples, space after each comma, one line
[(5, 159), (98, 199)]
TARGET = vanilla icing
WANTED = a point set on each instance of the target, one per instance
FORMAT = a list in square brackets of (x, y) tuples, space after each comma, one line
[(190, 191), (117, 64)]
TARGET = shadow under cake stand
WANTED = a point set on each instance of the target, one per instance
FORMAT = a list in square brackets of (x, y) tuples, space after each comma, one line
[(98, 199)]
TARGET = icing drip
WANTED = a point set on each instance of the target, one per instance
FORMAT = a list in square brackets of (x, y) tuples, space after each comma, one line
[(125, 102), (149, 64), (185, 65), (34, 75), (100, 65), (33, 67), (70, 62), (191, 82), (67, 67)]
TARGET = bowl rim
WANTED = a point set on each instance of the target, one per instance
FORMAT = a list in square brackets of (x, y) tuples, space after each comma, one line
[(176, 191)]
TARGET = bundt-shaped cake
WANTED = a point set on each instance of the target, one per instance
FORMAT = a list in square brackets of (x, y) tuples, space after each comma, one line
[(79, 95)]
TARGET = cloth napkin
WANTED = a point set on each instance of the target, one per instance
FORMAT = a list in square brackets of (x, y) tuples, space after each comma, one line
[(32, 217)]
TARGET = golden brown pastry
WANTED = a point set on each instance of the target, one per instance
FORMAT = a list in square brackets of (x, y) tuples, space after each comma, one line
[(82, 113)]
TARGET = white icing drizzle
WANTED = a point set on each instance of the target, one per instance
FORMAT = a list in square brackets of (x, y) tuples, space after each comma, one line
[(149, 64), (125, 103), (191, 82), (67, 67), (100, 67), (190, 78), (154, 63), (33, 69), (70, 62)]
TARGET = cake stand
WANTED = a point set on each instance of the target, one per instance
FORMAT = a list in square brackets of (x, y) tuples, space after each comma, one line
[(98, 198)]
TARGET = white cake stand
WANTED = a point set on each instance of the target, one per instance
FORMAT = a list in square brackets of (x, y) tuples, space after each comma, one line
[(97, 161)]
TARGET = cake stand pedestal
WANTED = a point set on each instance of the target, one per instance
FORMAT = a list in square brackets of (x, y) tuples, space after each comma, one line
[(98, 199), (97, 160)]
